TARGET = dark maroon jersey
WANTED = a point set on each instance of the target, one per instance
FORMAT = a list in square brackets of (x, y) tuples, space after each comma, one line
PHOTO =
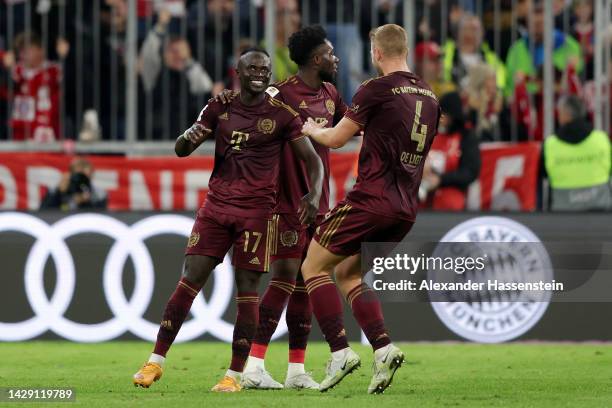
[(248, 144), (320, 104), (399, 115)]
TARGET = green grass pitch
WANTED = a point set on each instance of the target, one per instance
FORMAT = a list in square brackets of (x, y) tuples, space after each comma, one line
[(435, 375)]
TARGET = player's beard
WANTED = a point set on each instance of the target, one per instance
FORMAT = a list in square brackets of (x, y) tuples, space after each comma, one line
[(327, 76)]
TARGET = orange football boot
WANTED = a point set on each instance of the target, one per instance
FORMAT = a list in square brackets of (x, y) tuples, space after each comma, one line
[(149, 373), (227, 384)]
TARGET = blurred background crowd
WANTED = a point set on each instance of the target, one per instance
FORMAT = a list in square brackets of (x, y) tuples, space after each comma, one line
[(491, 52), (65, 65)]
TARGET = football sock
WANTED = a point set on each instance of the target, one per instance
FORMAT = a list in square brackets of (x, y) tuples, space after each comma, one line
[(299, 322), (157, 359), (368, 313), (244, 329), (175, 314), (270, 310), (234, 374), (295, 369), (253, 363), (327, 308)]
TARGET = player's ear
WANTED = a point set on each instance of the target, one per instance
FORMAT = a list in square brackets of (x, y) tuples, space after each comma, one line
[(377, 54)]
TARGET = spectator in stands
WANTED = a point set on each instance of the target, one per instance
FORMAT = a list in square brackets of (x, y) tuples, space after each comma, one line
[(501, 28), (218, 38), (577, 161), (429, 17), (583, 31), (113, 60), (485, 102), (563, 14), (522, 64), (287, 22), (182, 73), (524, 68), (453, 162), (468, 51), (429, 67), (36, 91), (6, 61), (75, 191)]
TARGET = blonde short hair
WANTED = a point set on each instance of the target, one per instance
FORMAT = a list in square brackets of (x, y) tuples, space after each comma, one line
[(391, 40)]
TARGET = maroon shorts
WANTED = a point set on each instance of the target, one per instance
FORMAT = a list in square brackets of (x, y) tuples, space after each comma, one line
[(292, 238), (346, 227), (214, 233)]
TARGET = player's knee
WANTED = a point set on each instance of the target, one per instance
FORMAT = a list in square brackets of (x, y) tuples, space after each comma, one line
[(347, 278), (197, 268), (247, 281), (286, 269), (307, 269)]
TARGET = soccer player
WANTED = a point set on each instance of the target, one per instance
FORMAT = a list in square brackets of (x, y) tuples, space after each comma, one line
[(312, 95), (249, 133), (399, 115)]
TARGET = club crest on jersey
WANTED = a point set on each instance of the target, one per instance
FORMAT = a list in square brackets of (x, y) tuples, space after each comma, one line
[(289, 238), (354, 108), (331, 106), (266, 126), (194, 238)]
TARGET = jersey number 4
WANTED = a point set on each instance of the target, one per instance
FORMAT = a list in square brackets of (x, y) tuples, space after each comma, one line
[(419, 131)]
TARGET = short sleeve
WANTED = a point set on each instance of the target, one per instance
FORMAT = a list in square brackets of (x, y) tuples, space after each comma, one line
[(363, 104), (293, 130), (209, 116), (289, 118), (341, 108)]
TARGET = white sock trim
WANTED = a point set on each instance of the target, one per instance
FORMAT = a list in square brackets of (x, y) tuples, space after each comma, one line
[(234, 374), (253, 363), (295, 369), (157, 359)]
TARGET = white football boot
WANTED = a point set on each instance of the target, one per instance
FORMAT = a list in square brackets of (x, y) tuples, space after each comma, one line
[(384, 367), (302, 381), (340, 368), (259, 379)]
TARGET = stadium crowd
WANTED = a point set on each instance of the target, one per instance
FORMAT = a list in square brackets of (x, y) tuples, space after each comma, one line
[(63, 64)]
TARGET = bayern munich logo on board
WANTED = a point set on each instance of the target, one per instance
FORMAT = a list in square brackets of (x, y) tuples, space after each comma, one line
[(488, 320)]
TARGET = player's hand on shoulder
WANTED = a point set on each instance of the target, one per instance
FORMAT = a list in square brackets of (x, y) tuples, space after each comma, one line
[(309, 207), (310, 126), (196, 133), (225, 96)]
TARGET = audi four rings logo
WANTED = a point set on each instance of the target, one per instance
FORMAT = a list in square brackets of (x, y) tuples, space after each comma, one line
[(129, 242)]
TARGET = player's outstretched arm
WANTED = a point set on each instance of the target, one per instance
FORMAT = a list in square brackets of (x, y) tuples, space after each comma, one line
[(191, 139), (335, 137), (309, 206)]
